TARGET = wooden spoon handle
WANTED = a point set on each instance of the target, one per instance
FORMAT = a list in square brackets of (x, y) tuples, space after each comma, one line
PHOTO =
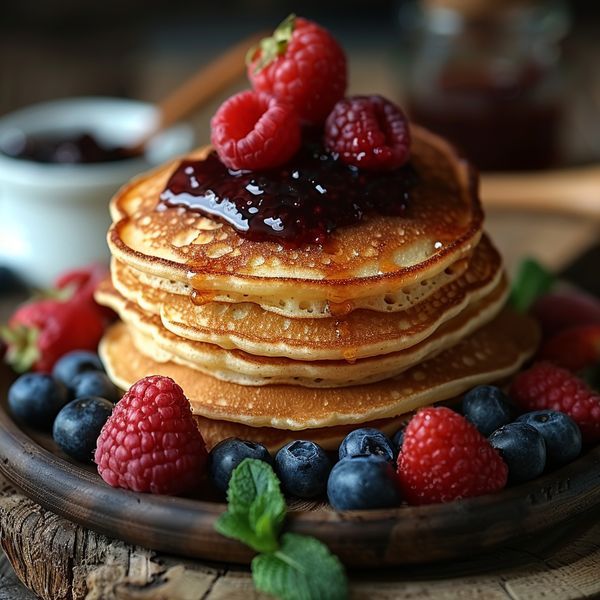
[(207, 82), (204, 85), (574, 191)]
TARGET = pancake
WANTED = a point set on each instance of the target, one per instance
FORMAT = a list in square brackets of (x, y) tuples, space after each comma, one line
[(239, 367), (362, 333), (375, 257), (293, 307), (493, 352), (329, 438)]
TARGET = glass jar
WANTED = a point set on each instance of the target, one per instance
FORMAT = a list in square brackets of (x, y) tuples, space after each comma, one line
[(486, 74)]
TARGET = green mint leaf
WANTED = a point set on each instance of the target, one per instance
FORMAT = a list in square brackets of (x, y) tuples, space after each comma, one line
[(22, 342), (302, 569), (256, 508), (531, 282)]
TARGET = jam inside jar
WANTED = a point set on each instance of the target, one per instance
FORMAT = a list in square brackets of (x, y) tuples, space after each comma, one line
[(62, 148), (487, 76)]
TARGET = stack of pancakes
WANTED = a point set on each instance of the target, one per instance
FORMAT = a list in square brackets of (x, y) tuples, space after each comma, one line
[(272, 343)]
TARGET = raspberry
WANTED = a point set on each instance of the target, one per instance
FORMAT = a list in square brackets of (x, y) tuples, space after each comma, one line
[(302, 64), (150, 443), (255, 131), (445, 458), (368, 132), (575, 348), (546, 386)]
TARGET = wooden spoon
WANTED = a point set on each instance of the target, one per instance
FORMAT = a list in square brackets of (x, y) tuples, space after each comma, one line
[(199, 89), (571, 191)]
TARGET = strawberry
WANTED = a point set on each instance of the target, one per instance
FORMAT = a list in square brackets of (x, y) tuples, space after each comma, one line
[(41, 331), (575, 348), (57, 321), (81, 283)]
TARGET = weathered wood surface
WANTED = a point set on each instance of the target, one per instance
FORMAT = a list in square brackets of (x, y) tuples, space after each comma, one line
[(62, 561)]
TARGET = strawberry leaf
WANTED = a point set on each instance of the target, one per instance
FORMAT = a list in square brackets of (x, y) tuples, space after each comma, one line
[(22, 346), (272, 47)]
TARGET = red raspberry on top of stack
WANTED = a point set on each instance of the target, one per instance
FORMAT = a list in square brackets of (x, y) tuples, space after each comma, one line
[(255, 131), (303, 64), (368, 132)]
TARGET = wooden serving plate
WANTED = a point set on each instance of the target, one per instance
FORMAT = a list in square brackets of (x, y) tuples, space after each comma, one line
[(185, 526)]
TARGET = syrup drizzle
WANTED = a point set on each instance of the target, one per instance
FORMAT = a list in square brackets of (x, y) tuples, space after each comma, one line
[(302, 202)]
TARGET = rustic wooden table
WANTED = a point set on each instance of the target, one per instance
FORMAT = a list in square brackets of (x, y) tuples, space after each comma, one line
[(59, 560)]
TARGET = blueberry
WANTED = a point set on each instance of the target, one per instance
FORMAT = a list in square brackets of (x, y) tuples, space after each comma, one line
[(363, 481), (523, 450), (94, 383), (78, 424), (9, 281), (487, 407), (367, 441), (303, 468), (35, 399), (74, 363), (561, 434), (228, 454), (398, 439)]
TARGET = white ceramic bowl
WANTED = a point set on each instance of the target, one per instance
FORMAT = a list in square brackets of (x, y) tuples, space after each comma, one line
[(54, 217)]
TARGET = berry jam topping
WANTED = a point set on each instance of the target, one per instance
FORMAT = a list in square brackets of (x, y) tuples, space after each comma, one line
[(300, 203)]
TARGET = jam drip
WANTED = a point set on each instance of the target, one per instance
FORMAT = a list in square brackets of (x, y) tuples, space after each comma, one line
[(299, 203)]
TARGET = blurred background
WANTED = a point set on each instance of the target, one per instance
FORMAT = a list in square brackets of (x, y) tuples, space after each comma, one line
[(515, 84), (454, 64)]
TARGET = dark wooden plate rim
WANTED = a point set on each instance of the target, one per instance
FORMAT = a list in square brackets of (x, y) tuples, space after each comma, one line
[(366, 538)]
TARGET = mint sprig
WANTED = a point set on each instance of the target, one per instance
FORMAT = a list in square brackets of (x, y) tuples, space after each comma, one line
[(302, 569), (256, 508), (531, 281), (289, 566)]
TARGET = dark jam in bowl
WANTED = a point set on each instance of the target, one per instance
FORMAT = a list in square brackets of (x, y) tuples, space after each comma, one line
[(63, 148), (299, 203)]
